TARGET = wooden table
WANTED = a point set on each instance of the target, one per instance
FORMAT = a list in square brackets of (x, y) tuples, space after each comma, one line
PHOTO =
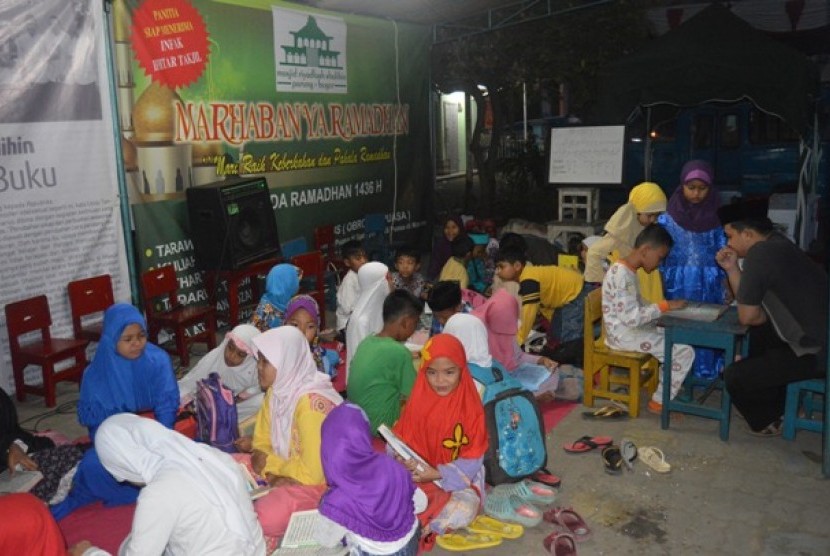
[(725, 333), (234, 278)]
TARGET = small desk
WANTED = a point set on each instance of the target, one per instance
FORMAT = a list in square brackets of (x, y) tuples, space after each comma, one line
[(725, 333), (234, 278)]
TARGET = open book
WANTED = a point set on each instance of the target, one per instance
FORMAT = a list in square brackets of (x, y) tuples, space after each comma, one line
[(707, 312), (402, 449), (21, 481), (299, 537)]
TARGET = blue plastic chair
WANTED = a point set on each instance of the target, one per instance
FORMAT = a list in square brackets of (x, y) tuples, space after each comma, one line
[(806, 395)]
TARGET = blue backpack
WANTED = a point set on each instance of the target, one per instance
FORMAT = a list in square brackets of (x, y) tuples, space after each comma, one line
[(216, 414), (514, 426)]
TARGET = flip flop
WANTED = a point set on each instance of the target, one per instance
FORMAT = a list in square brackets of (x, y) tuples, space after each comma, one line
[(527, 490), (610, 412), (570, 520), (486, 525), (654, 458), (628, 451), (560, 543), (512, 509), (612, 459), (587, 443), (460, 541), (546, 478)]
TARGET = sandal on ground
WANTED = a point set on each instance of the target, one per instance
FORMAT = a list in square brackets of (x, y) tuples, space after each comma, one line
[(527, 490), (486, 525), (512, 509), (460, 541), (773, 429), (610, 412), (587, 443), (612, 459), (560, 543), (628, 451), (570, 520), (546, 478), (654, 458)]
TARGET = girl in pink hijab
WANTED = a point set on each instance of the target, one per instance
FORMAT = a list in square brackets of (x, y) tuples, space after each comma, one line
[(500, 315)]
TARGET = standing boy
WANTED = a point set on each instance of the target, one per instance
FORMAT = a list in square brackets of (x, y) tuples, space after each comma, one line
[(407, 276), (630, 323), (381, 373), (782, 295), (354, 257)]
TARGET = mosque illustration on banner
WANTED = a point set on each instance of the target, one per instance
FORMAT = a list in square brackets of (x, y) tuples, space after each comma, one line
[(156, 166), (311, 48)]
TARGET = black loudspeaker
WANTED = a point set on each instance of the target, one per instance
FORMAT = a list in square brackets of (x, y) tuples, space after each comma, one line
[(232, 223)]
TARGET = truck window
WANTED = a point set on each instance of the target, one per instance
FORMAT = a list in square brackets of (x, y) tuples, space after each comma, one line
[(730, 136), (703, 130), (765, 128)]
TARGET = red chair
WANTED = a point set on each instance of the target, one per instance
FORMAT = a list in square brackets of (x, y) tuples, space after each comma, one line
[(314, 269), (325, 244), (164, 312), (31, 315), (88, 297)]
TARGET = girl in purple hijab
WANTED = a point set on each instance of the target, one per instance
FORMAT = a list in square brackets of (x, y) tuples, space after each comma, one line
[(442, 249), (369, 502), (690, 271)]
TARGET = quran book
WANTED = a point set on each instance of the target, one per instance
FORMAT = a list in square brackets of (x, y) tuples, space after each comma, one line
[(402, 449), (299, 537), (21, 481), (706, 312)]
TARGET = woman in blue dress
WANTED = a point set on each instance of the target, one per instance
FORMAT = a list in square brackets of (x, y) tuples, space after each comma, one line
[(690, 271)]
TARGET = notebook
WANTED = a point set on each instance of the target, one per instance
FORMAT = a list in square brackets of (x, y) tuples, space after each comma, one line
[(21, 481), (401, 448), (706, 312), (299, 537)]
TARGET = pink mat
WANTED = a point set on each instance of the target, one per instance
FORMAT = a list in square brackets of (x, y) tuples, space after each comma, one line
[(554, 411), (104, 527)]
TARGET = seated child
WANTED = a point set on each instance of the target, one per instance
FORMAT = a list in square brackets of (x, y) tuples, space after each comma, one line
[(282, 283), (381, 373), (545, 289), (444, 301), (354, 256), (456, 266), (476, 268), (302, 312), (406, 275), (453, 228), (234, 360), (630, 323), (369, 501), (500, 316), (443, 421)]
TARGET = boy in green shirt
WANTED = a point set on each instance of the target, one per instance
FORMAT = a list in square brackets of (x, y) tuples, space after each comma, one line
[(381, 373)]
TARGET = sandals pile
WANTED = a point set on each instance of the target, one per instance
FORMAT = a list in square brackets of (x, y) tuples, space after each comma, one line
[(572, 529), (483, 532), (517, 502), (615, 457)]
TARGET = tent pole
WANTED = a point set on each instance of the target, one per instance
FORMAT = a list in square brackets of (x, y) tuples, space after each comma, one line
[(647, 147), (124, 200)]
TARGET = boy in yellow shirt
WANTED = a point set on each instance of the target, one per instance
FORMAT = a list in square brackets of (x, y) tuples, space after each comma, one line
[(557, 293), (455, 268)]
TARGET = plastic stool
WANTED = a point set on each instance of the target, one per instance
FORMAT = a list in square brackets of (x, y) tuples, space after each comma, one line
[(579, 203), (803, 394)]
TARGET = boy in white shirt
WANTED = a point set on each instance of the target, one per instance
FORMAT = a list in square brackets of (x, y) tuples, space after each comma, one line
[(354, 256)]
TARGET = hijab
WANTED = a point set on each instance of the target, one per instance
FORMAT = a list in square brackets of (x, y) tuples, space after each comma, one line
[(238, 378), (286, 348), (138, 450), (442, 429), (28, 528), (114, 384), (500, 316), (367, 317), (369, 493), (646, 198), (472, 334), (700, 217), (281, 284), (308, 303)]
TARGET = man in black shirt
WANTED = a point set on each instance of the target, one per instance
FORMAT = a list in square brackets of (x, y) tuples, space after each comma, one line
[(782, 295)]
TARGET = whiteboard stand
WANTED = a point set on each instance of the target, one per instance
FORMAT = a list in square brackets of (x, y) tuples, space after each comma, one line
[(578, 203)]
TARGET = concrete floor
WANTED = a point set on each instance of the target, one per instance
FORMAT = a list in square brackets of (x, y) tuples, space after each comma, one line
[(749, 495)]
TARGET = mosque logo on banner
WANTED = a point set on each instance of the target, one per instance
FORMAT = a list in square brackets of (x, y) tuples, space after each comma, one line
[(310, 52)]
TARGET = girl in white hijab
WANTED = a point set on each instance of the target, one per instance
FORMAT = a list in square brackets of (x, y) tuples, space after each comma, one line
[(367, 317), (472, 334), (194, 499)]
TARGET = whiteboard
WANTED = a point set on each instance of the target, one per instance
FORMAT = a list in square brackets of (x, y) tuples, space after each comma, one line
[(586, 154)]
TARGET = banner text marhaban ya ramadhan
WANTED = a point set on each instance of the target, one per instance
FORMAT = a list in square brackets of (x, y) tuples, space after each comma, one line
[(240, 122)]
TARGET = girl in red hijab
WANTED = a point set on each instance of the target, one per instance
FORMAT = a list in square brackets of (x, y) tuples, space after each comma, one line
[(443, 421)]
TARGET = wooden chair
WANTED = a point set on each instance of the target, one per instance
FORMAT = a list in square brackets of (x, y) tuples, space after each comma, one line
[(161, 305), (312, 282), (88, 297), (630, 370), (32, 315)]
